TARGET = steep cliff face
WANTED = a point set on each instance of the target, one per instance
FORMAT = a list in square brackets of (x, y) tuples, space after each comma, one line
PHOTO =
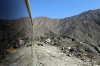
[(85, 26)]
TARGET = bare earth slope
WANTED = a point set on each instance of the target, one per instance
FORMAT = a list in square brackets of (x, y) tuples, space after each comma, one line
[(85, 26)]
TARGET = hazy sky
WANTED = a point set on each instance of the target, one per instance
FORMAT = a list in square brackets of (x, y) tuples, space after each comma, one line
[(11, 9)]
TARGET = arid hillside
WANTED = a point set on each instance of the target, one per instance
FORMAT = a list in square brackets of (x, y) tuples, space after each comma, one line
[(85, 26)]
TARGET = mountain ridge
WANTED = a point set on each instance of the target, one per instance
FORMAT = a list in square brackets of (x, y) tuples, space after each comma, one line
[(85, 26)]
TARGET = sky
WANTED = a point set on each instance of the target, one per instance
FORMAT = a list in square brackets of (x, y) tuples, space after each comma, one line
[(12, 9)]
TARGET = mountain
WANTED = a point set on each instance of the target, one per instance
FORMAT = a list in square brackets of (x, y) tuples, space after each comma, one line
[(85, 26)]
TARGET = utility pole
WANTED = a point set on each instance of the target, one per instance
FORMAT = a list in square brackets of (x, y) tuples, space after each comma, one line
[(33, 48)]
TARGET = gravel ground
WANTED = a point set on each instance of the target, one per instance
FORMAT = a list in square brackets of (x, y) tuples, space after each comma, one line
[(22, 57), (46, 55)]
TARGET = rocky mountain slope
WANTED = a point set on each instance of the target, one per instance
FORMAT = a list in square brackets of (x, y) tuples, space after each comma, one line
[(85, 26), (80, 31)]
